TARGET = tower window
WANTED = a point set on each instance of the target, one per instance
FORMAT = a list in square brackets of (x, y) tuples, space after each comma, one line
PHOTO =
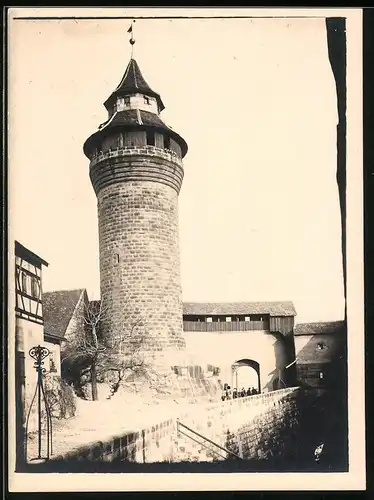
[(150, 138), (147, 100), (116, 258), (166, 142)]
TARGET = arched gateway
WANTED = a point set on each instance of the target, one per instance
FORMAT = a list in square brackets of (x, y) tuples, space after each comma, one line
[(250, 363)]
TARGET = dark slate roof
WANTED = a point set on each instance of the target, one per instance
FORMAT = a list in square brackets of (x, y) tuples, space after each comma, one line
[(129, 119), (206, 308), (318, 328), (134, 82), (26, 254), (58, 308), (229, 308), (135, 117)]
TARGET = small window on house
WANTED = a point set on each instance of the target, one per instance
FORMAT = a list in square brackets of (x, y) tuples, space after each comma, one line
[(34, 287), (320, 346), (321, 375), (247, 318), (228, 319), (150, 138), (166, 142), (24, 282), (209, 319), (147, 100), (126, 101)]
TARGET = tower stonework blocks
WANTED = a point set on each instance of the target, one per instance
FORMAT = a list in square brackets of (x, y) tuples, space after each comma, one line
[(136, 171)]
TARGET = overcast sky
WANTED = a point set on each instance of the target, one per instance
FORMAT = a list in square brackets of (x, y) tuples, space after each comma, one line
[(254, 99)]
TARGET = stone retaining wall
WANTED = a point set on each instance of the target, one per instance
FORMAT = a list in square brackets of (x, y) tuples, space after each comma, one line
[(254, 427), (153, 444)]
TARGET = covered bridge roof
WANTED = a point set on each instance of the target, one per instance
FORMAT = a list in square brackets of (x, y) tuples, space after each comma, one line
[(228, 308)]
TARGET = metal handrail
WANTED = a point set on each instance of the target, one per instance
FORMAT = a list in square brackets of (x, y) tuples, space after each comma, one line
[(206, 439), (200, 443)]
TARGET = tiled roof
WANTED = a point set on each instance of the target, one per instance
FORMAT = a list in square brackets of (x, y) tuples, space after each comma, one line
[(318, 328), (134, 82), (130, 119), (272, 308), (58, 308)]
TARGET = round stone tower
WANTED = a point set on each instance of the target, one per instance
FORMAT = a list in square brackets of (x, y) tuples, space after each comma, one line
[(136, 171)]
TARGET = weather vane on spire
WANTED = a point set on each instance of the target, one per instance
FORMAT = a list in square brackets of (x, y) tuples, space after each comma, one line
[(132, 39)]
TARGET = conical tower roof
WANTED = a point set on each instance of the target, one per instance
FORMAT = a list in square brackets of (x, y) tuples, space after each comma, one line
[(133, 82)]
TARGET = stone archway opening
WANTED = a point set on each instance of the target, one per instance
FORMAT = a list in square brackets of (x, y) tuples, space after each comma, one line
[(246, 373)]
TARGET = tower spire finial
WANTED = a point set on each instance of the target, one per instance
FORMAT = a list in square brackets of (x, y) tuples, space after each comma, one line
[(132, 39)]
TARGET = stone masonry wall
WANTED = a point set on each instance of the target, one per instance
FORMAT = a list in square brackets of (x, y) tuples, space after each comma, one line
[(153, 444), (139, 261), (255, 427)]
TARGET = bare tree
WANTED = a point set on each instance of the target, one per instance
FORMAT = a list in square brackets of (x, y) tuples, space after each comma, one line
[(125, 359), (84, 351), (94, 314), (119, 362)]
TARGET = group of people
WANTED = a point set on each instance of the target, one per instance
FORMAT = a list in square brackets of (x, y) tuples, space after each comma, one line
[(229, 393)]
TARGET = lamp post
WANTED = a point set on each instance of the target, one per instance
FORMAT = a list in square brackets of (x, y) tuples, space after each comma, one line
[(39, 353)]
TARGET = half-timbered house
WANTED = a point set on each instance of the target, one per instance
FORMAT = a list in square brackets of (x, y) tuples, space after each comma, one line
[(28, 309), (28, 268)]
